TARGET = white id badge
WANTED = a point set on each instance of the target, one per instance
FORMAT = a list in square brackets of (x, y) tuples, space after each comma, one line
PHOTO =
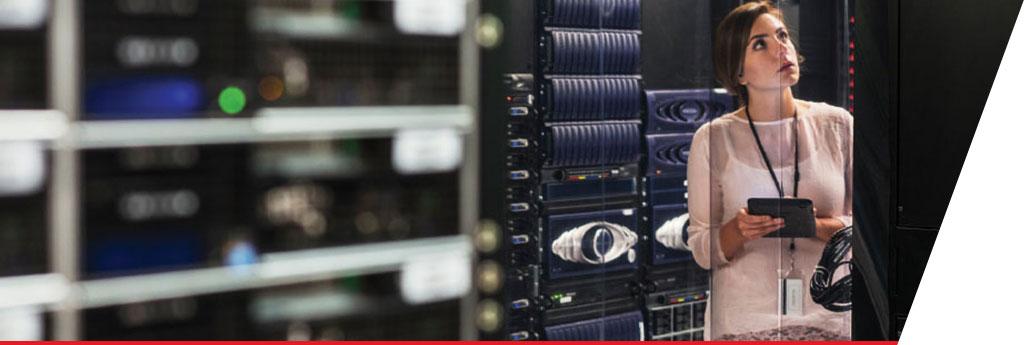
[(791, 294)]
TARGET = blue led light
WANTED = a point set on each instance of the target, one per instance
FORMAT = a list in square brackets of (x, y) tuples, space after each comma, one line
[(144, 97)]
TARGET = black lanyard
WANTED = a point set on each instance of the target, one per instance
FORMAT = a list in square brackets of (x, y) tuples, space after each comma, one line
[(796, 168), (764, 155)]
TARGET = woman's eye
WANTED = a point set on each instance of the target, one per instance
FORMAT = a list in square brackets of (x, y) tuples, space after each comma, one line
[(759, 44), (783, 35)]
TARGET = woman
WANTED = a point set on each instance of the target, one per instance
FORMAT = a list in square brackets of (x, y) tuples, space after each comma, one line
[(756, 152)]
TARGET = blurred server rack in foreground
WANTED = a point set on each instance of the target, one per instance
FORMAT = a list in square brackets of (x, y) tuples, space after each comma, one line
[(223, 172)]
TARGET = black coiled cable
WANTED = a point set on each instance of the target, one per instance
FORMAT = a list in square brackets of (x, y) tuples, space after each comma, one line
[(834, 296)]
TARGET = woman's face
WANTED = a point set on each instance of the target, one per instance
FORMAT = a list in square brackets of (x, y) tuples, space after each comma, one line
[(771, 59)]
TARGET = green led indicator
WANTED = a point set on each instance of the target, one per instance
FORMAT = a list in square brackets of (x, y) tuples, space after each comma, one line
[(351, 10), (231, 100)]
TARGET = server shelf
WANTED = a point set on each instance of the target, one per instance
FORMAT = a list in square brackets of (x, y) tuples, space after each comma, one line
[(269, 125), (45, 290), (32, 125), (277, 269)]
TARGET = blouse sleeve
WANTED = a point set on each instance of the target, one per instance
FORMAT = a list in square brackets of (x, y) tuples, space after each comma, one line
[(847, 140), (704, 201)]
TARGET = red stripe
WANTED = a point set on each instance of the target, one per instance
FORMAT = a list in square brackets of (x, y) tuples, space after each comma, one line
[(448, 342)]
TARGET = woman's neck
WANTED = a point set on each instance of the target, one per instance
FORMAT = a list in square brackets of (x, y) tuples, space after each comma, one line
[(771, 105)]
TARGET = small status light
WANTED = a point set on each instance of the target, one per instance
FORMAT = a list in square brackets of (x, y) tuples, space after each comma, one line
[(351, 10), (271, 88), (231, 100)]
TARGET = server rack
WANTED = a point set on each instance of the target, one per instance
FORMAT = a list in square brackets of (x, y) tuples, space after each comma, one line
[(572, 135), (586, 148), (211, 197)]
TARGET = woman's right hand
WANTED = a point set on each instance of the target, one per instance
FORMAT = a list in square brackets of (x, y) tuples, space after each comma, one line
[(744, 228), (752, 227)]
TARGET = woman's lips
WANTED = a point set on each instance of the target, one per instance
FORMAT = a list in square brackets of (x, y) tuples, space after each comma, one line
[(786, 66)]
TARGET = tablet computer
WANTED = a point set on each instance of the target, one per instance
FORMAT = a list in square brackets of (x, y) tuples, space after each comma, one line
[(797, 213)]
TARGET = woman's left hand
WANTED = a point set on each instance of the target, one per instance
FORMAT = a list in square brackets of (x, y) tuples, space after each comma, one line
[(826, 227)]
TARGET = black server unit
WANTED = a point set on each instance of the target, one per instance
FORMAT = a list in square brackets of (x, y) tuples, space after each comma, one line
[(319, 194), (164, 59), (345, 53), (157, 208)]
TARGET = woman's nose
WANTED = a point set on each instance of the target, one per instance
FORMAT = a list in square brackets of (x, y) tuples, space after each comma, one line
[(781, 49)]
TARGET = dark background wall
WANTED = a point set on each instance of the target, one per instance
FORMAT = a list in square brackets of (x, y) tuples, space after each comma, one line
[(924, 73)]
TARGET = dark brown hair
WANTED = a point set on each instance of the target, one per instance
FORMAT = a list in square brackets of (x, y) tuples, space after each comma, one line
[(730, 46)]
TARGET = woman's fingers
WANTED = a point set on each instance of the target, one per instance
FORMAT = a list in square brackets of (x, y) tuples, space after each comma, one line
[(755, 234), (754, 227), (745, 217), (764, 223)]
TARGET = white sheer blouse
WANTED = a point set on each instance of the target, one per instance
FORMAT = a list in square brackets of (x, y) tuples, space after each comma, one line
[(725, 169)]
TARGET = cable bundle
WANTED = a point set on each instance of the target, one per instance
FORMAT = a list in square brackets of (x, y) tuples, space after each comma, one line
[(834, 296)]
